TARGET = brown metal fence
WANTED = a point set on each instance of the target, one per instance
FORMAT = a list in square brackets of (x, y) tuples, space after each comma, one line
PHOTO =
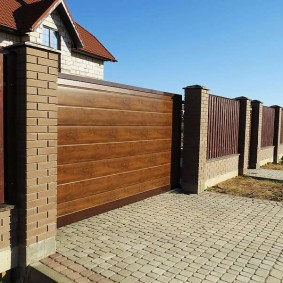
[(223, 127), (281, 139), (267, 134)]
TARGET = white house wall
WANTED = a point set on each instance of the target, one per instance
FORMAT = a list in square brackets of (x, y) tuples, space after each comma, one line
[(71, 62)]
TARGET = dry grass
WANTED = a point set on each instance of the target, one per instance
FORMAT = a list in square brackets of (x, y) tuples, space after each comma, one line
[(252, 188), (273, 166)]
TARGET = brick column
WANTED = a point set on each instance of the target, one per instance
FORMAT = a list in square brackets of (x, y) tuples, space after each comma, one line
[(244, 133), (195, 138), (277, 132), (256, 127), (35, 134)]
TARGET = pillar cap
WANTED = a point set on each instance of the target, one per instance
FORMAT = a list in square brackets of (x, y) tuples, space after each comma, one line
[(257, 101), (242, 98), (196, 87), (275, 106)]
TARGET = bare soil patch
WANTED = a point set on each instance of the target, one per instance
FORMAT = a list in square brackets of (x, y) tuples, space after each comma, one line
[(273, 166), (252, 188)]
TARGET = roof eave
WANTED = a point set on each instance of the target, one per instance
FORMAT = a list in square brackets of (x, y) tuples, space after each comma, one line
[(102, 58), (11, 30), (64, 12)]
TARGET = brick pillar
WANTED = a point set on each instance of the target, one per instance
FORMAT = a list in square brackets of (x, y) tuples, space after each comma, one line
[(244, 133), (256, 127), (195, 138), (35, 135), (277, 132)]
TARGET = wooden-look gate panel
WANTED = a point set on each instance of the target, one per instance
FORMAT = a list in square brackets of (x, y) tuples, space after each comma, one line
[(114, 146)]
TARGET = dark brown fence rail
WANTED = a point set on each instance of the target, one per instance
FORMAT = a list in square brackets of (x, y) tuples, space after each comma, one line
[(267, 136), (281, 139), (223, 127)]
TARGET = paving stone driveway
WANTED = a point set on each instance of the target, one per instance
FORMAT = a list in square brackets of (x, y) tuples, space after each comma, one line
[(181, 238)]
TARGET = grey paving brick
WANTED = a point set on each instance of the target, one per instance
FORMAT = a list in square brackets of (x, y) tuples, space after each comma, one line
[(191, 238)]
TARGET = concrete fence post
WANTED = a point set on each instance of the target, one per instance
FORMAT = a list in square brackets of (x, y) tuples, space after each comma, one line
[(244, 133), (256, 129), (195, 139), (35, 137), (277, 133)]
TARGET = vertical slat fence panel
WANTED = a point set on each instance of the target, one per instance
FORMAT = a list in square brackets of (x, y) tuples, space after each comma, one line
[(268, 117), (281, 139), (223, 127)]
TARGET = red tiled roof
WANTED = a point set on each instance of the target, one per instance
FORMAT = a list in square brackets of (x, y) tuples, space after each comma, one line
[(21, 15), (24, 15), (92, 45)]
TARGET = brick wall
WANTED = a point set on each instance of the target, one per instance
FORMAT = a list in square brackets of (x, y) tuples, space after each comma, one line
[(221, 169), (8, 238), (36, 150), (71, 62), (195, 139), (266, 155), (256, 128), (280, 156)]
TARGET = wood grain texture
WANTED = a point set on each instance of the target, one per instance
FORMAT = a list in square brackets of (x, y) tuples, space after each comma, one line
[(86, 188), (114, 146), (89, 170), (102, 134), (73, 116), (109, 100), (106, 197), (98, 151), (86, 213)]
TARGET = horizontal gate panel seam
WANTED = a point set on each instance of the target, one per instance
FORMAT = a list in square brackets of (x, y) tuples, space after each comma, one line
[(117, 187), (115, 158), (114, 110), (158, 179), (116, 126), (90, 144), (131, 171)]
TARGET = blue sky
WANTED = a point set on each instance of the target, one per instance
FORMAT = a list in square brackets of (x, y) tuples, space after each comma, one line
[(233, 47)]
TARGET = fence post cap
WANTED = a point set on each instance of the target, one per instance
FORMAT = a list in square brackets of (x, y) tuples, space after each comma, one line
[(196, 86), (242, 98), (257, 101), (275, 106)]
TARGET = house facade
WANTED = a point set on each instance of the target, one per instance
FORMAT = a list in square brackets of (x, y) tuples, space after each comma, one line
[(53, 27)]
